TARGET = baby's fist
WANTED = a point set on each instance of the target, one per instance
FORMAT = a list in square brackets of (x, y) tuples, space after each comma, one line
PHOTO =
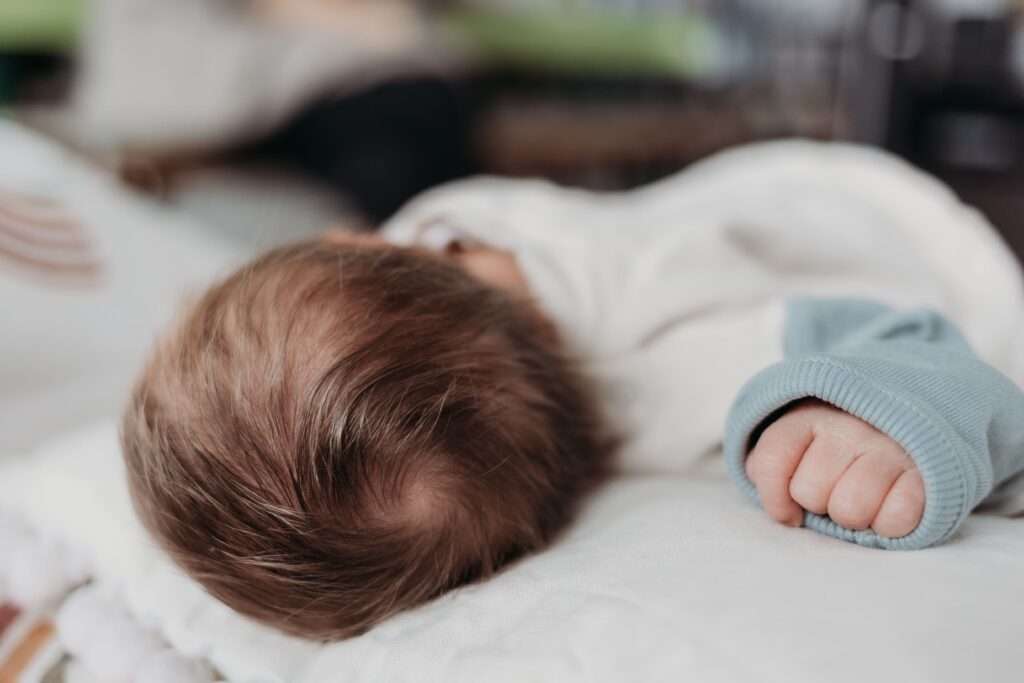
[(822, 459)]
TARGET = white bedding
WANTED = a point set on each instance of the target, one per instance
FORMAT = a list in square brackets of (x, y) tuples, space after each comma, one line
[(70, 350), (661, 579)]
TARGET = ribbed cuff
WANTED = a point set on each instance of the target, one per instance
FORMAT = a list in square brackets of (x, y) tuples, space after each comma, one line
[(940, 453)]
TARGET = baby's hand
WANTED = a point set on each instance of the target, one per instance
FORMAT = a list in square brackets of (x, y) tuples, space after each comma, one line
[(825, 460)]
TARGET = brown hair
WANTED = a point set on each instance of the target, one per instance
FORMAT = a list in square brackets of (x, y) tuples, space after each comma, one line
[(335, 433)]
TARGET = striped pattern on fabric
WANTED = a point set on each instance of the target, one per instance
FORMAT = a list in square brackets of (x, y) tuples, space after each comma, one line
[(88, 636), (29, 651), (40, 238)]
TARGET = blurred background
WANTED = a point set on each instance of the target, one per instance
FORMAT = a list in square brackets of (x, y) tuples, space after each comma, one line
[(271, 119)]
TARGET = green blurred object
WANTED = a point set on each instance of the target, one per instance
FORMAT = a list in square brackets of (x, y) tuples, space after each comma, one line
[(668, 44), (40, 25)]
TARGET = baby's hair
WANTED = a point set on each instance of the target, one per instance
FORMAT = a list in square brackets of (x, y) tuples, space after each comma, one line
[(337, 432)]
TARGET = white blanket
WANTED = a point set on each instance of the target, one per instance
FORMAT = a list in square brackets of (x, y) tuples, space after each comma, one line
[(662, 579)]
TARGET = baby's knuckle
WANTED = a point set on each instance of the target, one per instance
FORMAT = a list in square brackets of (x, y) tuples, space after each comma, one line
[(906, 498), (848, 509), (905, 504), (807, 492)]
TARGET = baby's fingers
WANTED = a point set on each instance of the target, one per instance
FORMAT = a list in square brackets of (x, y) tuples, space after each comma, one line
[(857, 497), (772, 463), (903, 506)]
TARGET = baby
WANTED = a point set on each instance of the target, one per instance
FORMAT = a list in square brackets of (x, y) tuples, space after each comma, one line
[(347, 427)]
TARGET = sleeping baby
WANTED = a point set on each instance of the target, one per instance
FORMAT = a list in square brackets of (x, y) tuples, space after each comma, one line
[(350, 426)]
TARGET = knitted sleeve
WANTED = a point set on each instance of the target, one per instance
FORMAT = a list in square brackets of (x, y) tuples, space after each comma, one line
[(912, 376)]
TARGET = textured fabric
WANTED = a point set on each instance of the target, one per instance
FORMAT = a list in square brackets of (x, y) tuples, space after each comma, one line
[(914, 377), (662, 578)]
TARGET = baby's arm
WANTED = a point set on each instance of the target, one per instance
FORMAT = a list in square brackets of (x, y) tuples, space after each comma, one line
[(890, 384)]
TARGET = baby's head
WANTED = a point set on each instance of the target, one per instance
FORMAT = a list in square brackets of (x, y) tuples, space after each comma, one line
[(340, 431)]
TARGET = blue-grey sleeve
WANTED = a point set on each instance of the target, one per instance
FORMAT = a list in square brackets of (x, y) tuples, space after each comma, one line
[(911, 375)]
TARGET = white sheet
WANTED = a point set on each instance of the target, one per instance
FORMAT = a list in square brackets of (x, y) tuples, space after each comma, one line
[(661, 579)]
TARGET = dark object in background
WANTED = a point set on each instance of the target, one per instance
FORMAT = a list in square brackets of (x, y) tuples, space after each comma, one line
[(36, 40), (380, 146), (615, 133), (935, 84), (714, 76), (34, 78), (931, 80), (383, 146)]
